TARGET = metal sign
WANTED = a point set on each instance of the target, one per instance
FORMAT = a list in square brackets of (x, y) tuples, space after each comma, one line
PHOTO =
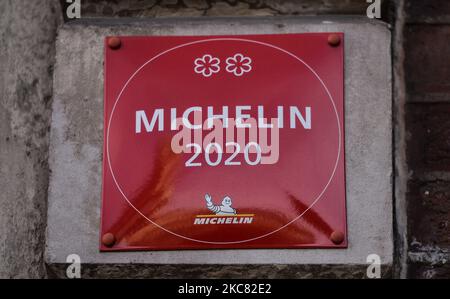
[(223, 142)]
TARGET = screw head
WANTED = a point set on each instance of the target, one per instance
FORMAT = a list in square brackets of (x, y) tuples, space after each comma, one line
[(337, 237), (108, 240), (334, 40), (114, 43)]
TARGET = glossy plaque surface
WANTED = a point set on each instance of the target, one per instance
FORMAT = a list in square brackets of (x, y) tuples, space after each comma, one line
[(224, 142)]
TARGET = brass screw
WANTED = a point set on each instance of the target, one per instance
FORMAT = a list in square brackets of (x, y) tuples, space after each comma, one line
[(114, 43), (108, 240), (334, 40), (337, 237)]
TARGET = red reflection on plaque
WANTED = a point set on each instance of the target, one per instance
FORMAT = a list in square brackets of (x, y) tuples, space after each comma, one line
[(274, 177)]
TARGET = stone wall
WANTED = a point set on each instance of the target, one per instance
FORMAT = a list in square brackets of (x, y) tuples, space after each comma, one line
[(27, 50), (214, 8), (421, 98), (427, 73)]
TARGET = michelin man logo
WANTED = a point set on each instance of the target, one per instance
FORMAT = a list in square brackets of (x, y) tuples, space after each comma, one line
[(224, 209), (223, 214)]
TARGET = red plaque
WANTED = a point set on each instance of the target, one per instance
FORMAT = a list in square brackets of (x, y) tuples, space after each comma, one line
[(224, 142)]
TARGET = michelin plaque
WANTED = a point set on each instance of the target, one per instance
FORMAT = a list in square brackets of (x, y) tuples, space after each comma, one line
[(224, 142)]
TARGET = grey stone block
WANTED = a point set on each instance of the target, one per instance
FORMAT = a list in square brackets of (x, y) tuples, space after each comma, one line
[(76, 155)]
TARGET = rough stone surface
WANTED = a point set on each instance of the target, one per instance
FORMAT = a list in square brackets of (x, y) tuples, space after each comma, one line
[(427, 70), (429, 137), (76, 153), (399, 130), (430, 212), (27, 36), (428, 12), (221, 271), (170, 8), (428, 129), (426, 75)]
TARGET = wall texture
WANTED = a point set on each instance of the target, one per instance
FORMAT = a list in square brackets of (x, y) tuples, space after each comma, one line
[(27, 37), (427, 73), (421, 97), (198, 8)]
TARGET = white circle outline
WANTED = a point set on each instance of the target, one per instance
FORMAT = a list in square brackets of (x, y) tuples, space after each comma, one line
[(211, 40)]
